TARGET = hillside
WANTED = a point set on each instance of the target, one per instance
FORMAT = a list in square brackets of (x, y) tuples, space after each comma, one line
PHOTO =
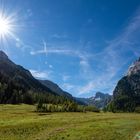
[(17, 85), (126, 96), (55, 88)]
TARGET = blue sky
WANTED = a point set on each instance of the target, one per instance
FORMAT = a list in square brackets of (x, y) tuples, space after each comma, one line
[(84, 46)]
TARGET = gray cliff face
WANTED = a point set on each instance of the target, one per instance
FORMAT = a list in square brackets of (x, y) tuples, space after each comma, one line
[(127, 91), (100, 100), (134, 68)]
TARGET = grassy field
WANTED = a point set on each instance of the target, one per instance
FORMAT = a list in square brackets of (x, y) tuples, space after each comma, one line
[(20, 122)]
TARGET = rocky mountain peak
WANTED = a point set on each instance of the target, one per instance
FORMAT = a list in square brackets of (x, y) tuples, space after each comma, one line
[(126, 95), (134, 68)]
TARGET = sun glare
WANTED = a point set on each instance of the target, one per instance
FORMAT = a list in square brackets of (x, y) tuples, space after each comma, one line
[(8, 28), (5, 26)]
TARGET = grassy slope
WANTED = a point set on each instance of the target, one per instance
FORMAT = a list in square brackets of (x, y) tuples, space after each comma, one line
[(20, 122)]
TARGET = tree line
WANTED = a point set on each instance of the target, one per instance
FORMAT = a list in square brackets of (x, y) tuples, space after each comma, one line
[(67, 106), (12, 93)]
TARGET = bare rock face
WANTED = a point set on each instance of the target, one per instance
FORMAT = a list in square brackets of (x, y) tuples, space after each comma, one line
[(134, 68), (126, 96), (100, 100)]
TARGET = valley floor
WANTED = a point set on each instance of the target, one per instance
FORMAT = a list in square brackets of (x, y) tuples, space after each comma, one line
[(20, 122)]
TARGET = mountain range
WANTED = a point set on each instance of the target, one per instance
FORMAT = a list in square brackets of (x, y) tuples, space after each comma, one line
[(100, 100), (17, 85), (55, 88)]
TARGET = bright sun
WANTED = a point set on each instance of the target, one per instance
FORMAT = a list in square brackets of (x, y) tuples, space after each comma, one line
[(7, 29), (5, 26)]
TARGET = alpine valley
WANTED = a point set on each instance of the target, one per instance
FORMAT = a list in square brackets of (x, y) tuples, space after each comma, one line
[(17, 85)]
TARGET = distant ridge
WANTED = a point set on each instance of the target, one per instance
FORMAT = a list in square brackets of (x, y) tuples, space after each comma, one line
[(55, 88), (100, 100)]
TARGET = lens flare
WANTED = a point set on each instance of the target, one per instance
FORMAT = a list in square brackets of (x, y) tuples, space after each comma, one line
[(5, 26)]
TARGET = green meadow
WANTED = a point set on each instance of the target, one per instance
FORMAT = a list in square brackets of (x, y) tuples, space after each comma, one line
[(21, 122)]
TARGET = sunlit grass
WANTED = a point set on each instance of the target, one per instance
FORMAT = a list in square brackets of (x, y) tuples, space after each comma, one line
[(20, 122)]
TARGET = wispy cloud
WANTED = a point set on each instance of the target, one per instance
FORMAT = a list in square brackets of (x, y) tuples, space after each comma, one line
[(129, 36), (66, 77), (83, 56), (29, 12), (57, 50), (68, 86), (87, 88), (41, 74), (59, 36), (50, 66), (112, 57), (108, 62)]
